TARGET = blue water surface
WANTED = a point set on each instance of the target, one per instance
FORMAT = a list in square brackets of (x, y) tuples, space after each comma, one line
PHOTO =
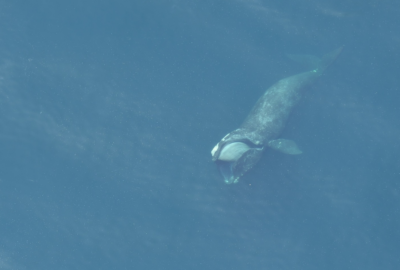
[(109, 111)]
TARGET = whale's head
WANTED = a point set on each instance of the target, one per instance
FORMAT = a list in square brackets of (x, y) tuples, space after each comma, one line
[(234, 156)]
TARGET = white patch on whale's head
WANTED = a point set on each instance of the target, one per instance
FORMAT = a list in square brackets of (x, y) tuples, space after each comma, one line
[(214, 149), (233, 151), (223, 139)]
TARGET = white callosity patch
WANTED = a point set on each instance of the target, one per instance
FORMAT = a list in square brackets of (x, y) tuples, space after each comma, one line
[(233, 151), (215, 149), (223, 139)]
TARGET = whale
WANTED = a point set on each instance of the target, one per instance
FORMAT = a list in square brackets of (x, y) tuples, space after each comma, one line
[(241, 149)]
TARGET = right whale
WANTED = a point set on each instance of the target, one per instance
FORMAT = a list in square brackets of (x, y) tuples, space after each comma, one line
[(241, 149)]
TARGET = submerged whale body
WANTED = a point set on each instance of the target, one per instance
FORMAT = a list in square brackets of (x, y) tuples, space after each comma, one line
[(241, 149)]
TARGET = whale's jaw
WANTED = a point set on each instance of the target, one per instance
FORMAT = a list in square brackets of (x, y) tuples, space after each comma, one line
[(226, 170), (227, 158), (234, 158)]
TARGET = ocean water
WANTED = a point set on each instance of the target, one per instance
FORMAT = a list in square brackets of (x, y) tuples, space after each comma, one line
[(109, 111)]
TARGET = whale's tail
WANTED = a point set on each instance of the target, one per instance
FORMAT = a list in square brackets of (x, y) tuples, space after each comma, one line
[(315, 63), (328, 59)]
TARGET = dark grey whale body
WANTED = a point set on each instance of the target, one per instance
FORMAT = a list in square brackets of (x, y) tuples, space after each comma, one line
[(241, 149)]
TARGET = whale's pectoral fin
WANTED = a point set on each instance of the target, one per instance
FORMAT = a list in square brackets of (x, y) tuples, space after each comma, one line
[(285, 146)]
